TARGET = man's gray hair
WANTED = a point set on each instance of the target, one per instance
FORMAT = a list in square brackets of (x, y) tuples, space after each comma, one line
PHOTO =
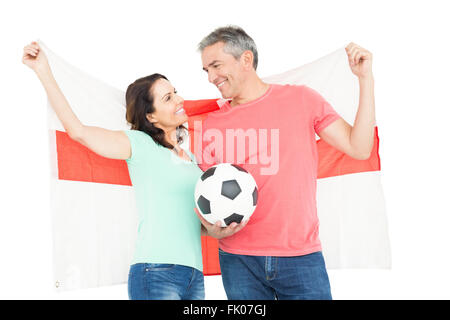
[(235, 39)]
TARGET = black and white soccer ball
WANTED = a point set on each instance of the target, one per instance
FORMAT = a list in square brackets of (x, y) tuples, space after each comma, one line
[(226, 193)]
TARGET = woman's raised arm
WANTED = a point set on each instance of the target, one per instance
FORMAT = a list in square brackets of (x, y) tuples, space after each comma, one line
[(107, 143)]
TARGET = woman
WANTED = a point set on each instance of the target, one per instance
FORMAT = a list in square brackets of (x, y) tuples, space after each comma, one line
[(167, 262)]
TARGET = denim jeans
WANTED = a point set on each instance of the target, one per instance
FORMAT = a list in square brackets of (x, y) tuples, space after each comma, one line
[(158, 281), (268, 278)]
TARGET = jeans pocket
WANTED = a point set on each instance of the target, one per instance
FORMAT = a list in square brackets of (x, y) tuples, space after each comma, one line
[(159, 266), (224, 253)]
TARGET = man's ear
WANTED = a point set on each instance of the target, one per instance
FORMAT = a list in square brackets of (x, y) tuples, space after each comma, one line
[(247, 59), (151, 118)]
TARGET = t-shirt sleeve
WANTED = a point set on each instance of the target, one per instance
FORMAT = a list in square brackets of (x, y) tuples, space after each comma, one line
[(138, 141), (323, 113)]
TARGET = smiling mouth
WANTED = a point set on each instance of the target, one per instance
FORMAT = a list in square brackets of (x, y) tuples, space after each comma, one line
[(221, 84), (180, 111)]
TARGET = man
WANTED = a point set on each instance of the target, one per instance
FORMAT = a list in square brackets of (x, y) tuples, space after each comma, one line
[(278, 253)]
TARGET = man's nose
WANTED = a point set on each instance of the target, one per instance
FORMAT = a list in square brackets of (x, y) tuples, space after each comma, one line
[(211, 76)]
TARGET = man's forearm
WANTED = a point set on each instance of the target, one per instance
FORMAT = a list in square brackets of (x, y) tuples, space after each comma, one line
[(203, 231), (362, 133)]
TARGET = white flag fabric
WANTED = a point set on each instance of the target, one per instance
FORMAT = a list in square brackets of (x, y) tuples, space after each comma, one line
[(95, 220)]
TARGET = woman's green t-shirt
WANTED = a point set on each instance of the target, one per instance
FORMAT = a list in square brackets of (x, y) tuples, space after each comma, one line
[(169, 230)]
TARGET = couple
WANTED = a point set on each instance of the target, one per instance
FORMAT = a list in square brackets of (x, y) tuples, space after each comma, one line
[(278, 253)]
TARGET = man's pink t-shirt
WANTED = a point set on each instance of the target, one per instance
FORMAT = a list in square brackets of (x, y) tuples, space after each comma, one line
[(281, 153)]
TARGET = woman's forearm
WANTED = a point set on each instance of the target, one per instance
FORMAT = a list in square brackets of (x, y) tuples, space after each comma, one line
[(60, 105), (113, 144)]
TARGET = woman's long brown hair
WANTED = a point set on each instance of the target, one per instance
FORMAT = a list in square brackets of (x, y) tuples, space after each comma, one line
[(139, 101)]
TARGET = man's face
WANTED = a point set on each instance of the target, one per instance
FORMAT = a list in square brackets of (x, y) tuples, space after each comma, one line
[(224, 71)]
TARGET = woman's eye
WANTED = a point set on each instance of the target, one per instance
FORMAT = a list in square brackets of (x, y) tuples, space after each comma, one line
[(169, 95)]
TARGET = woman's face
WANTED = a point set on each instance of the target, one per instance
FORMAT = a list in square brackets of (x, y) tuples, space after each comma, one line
[(169, 112)]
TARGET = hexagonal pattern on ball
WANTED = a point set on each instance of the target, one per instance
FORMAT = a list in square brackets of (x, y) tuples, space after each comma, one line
[(230, 189), (208, 173), (204, 205), (233, 218), (225, 192), (255, 196)]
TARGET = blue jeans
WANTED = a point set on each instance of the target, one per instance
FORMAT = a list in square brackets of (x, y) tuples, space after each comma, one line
[(160, 281), (269, 278)]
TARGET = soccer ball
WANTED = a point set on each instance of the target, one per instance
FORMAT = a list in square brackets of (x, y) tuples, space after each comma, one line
[(226, 193)]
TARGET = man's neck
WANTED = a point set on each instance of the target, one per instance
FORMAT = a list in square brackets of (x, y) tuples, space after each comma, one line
[(255, 89)]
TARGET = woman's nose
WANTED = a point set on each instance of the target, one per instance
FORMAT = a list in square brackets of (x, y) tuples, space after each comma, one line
[(180, 100)]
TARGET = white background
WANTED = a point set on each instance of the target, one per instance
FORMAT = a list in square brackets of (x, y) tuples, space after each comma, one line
[(119, 41)]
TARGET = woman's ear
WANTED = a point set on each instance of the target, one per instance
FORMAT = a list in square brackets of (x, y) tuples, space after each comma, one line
[(151, 118)]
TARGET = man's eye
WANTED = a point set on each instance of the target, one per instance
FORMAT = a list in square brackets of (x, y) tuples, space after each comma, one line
[(168, 98)]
